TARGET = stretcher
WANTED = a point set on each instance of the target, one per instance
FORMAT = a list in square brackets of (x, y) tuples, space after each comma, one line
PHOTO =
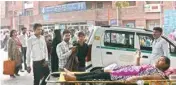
[(60, 79)]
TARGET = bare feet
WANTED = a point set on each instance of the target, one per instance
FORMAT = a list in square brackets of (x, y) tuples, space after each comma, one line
[(69, 77), (68, 72)]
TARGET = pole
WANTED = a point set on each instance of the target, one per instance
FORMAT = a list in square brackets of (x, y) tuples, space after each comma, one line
[(0, 13), (13, 19), (161, 14), (19, 22), (108, 17), (117, 11)]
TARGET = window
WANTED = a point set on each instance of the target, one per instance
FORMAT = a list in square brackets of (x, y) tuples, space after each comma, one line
[(14, 2), (9, 2), (15, 13), (145, 41), (10, 13), (119, 39), (129, 23), (132, 3), (101, 23), (152, 23), (99, 5), (82, 23), (172, 47), (153, 2), (28, 12), (89, 5), (48, 27)]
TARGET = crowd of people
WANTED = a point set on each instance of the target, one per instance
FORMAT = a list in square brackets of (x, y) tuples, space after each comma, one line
[(50, 53)]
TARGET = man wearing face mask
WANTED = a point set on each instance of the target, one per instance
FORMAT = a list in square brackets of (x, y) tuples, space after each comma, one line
[(64, 49), (160, 46)]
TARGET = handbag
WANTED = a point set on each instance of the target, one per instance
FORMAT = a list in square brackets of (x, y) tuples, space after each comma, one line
[(9, 67), (72, 62)]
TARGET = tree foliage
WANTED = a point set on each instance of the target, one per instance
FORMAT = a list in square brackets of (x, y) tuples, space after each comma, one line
[(121, 4)]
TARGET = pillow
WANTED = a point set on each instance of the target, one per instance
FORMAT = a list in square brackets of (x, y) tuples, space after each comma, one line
[(170, 71)]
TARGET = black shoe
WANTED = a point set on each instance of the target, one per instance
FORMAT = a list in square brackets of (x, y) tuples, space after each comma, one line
[(17, 74), (25, 68), (12, 76), (21, 71)]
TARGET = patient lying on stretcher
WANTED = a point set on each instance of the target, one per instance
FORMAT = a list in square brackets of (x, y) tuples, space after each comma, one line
[(130, 73)]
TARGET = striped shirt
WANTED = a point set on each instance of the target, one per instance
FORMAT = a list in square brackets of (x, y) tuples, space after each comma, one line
[(63, 53)]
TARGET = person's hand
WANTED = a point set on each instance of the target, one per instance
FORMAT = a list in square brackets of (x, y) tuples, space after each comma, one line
[(73, 49), (138, 54), (28, 69), (132, 79)]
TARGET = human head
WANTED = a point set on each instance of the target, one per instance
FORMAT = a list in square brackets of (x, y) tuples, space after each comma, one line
[(157, 32), (13, 33), (37, 28), (57, 33), (57, 36), (163, 63), (66, 35), (42, 33), (81, 37), (24, 30)]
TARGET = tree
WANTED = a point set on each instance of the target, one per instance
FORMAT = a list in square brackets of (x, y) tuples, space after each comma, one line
[(119, 5)]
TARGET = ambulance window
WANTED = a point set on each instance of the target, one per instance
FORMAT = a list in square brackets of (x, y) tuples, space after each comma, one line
[(119, 39), (107, 38), (172, 49), (145, 41)]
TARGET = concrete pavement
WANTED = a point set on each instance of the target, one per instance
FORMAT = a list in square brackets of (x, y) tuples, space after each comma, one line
[(24, 78)]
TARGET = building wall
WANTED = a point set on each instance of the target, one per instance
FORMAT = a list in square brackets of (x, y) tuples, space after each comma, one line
[(88, 15), (2, 8), (128, 15), (140, 17)]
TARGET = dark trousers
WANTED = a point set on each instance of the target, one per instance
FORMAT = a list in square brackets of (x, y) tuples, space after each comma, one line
[(92, 75), (17, 68), (40, 72), (54, 63), (24, 56), (81, 68)]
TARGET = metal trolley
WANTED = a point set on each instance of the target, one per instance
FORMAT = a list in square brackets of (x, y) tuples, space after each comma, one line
[(57, 77)]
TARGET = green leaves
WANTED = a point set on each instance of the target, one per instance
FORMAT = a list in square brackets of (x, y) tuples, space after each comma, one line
[(121, 4)]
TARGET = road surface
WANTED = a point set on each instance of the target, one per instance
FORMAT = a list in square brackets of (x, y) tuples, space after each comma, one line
[(24, 78)]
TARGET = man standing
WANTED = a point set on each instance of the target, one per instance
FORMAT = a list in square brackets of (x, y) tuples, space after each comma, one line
[(160, 46), (23, 40), (82, 50), (64, 49), (37, 49)]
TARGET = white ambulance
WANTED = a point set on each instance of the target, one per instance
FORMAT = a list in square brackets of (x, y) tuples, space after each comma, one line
[(112, 44)]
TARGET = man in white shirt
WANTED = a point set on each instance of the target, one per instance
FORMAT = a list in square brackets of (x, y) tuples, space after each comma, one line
[(23, 40), (64, 49), (37, 49), (160, 46)]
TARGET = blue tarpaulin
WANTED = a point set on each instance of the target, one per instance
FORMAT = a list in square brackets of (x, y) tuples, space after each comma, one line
[(169, 21)]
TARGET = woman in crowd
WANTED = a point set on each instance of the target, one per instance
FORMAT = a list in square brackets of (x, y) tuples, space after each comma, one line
[(14, 51), (54, 58), (130, 73)]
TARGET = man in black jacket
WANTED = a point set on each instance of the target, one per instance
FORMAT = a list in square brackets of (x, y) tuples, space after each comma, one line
[(82, 50)]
